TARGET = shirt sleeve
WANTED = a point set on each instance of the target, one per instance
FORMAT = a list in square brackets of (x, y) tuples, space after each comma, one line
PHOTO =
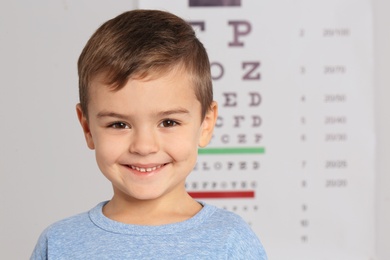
[(40, 250), (244, 244)]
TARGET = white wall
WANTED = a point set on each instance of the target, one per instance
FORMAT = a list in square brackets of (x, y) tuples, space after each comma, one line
[(46, 171), (382, 106)]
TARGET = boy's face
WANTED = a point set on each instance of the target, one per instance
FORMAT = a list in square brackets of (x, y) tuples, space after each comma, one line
[(146, 135)]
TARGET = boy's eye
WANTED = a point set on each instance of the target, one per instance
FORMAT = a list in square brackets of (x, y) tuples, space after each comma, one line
[(119, 125), (168, 123)]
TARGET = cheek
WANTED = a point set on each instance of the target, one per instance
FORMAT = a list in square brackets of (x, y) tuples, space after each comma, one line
[(107, 150), (184, 148)]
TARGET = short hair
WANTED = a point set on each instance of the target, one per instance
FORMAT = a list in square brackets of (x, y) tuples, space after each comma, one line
[(143, 43)]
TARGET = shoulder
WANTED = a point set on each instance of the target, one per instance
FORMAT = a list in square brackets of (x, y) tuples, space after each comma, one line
[(226, 219), (67, 225), (61, 232), (77, 224), (239, 239)]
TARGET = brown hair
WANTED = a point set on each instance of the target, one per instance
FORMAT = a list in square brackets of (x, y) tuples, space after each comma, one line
[(139, 43)]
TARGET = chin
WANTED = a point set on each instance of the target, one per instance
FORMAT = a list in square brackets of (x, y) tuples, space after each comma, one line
[(145, 196)]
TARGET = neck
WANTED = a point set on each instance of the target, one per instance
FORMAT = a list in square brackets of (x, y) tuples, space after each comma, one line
[(151, 212)]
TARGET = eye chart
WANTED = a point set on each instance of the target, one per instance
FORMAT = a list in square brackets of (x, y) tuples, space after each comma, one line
[(293, 149)]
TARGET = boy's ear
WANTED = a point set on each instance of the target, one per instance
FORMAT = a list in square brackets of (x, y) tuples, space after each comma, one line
[(85, 125), (208, 124)]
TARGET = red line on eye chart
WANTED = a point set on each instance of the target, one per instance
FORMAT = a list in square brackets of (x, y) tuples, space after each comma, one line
[(222, 194)]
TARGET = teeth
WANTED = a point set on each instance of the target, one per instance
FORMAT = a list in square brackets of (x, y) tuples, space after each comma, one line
[(145, 169)]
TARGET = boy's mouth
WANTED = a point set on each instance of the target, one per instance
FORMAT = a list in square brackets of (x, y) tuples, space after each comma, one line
[(146, 169)]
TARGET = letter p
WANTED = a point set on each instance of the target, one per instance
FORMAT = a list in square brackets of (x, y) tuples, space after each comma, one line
[(240, 28)]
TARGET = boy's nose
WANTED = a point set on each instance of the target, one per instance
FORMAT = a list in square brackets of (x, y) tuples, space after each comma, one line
[(143, 142)]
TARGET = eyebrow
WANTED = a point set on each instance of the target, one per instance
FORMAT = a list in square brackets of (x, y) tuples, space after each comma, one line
[(159, 114), (110, 114), (173, 111)]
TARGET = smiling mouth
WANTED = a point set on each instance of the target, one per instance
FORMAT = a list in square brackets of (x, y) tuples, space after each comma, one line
[(148, 169)]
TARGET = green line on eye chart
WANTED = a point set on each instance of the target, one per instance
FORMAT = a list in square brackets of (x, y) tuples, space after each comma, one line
[(232, 150)]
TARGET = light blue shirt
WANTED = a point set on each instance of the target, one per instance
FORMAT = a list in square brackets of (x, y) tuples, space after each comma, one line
[(211, 234)]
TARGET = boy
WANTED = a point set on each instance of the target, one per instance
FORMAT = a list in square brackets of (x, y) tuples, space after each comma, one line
[(146, 104)]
